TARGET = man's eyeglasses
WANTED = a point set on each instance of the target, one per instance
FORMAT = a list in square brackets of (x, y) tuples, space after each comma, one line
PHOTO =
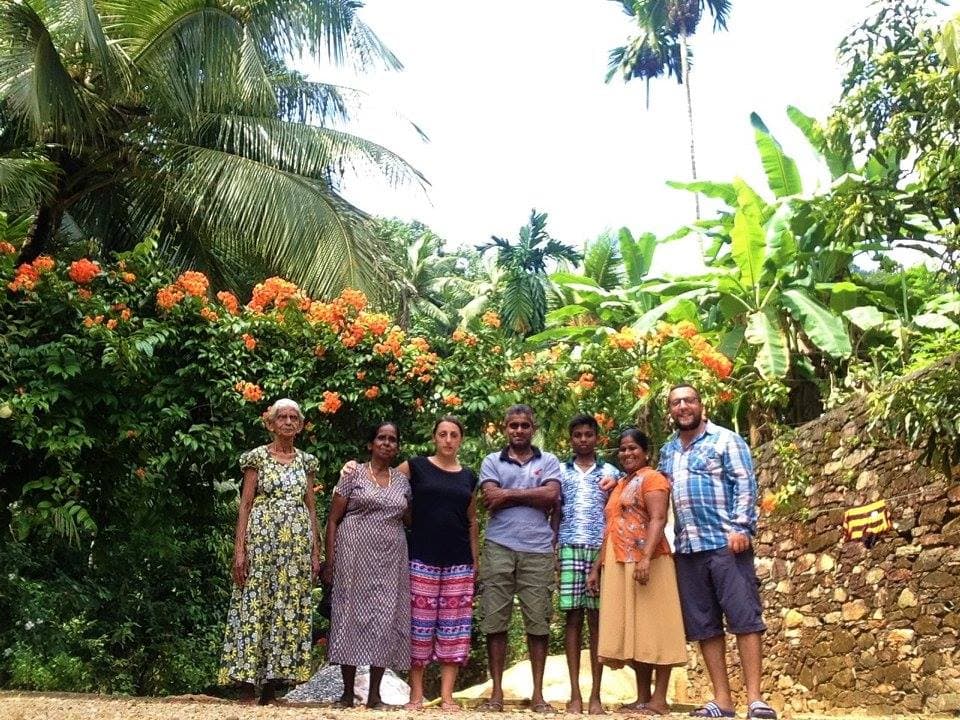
[(519, 426), (677, 402)]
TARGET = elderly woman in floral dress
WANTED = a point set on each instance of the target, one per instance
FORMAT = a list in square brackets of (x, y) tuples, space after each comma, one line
[(276, 558)]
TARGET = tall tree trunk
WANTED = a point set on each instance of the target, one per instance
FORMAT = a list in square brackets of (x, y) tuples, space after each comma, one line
[(685, 65), (49, 217)]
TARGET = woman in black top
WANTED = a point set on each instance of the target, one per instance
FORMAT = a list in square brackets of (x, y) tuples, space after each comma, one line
[(444, 546)]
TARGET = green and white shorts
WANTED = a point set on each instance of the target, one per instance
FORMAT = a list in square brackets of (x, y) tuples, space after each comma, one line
[(575, 564)]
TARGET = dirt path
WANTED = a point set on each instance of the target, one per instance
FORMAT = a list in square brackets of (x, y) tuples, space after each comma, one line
[(69, 706)]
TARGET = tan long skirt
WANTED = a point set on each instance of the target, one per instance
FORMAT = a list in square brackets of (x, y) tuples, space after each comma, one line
[(638, 622)]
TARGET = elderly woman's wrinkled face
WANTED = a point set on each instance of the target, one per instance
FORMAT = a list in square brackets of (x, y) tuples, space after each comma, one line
[(286, 423), (386, 444)]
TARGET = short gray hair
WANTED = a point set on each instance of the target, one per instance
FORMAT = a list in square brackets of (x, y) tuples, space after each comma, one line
[(271, 414)]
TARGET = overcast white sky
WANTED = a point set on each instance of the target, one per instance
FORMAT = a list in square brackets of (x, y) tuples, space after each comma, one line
[(513, 98)]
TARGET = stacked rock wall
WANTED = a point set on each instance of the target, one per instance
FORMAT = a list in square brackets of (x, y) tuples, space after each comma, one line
[(851, 626)]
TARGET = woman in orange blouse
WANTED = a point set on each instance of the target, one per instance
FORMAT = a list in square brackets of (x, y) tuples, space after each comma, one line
[(640, 620)]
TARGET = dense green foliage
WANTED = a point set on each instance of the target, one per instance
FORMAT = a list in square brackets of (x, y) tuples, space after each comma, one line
[(126, 395), (128, 389)]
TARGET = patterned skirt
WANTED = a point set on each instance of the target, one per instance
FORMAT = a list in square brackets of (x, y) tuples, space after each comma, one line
[(441, 609)]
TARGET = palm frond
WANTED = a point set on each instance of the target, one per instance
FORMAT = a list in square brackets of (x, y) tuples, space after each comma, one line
[(313, 152), (36, 87), (290, 28), (25, 182), (256, 89), (190, 53), (602, 262), (319, 239), (319, 103), (82, 27), (315, 103)]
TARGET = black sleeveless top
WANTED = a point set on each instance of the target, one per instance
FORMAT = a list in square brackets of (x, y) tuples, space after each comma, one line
[(440, 531)]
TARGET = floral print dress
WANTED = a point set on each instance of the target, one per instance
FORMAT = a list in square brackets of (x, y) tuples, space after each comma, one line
[(269, 623)]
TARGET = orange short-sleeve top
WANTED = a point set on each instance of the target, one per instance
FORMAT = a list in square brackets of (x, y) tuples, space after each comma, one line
[(627, 516)]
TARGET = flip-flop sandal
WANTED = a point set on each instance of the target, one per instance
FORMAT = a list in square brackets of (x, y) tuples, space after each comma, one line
[(760, 710), (712, 710), (631, 707), (490, 706)]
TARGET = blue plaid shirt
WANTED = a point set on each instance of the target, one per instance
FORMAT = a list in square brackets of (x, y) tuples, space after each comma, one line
[(714, 488)]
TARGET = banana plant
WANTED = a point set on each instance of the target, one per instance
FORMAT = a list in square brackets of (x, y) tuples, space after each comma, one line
[(769, 271)]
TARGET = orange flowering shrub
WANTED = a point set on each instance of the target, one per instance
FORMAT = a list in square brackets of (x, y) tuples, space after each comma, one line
[(371, 392), (229, 302), (44, 263), (491, 319), (274, 291), (168, 296), (26, 278), (251, 392), (626, 339), (331, 402), (83, 271), (622, 380), (193, 283), (467, 338), (7, 249), (354, 299)]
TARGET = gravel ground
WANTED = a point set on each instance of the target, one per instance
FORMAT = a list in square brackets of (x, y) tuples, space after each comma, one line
[(69, 706)]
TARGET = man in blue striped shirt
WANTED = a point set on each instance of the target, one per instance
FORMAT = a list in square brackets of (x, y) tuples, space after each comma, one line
[(715, 505)]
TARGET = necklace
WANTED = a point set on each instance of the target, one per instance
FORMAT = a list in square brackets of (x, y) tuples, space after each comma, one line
[(385, 472), (278, 453)]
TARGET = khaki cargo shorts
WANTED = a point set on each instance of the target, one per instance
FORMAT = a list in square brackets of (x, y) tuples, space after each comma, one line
[(505, 573)]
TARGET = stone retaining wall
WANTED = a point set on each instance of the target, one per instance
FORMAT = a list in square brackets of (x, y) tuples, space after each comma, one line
[(850, 626)]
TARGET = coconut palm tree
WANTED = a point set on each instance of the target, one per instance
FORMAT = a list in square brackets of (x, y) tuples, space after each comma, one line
[(523, 297), (662, 47), (120, 117)]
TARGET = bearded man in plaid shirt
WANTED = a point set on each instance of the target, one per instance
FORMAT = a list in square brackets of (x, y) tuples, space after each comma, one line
[(715, 505)]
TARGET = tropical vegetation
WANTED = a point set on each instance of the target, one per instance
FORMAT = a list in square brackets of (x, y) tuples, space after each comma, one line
[(137, 351)]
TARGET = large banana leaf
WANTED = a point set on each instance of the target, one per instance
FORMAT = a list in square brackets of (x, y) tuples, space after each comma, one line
[(825, 329), (865, 317), (838, 163), (748, 240), (773, 355), (637, 254), (783, 177), (720, 191), (780, 240), (647, 321)]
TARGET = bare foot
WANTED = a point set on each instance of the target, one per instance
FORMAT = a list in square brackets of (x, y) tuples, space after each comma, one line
[(596, 707), (655, 708), (575, 706)]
